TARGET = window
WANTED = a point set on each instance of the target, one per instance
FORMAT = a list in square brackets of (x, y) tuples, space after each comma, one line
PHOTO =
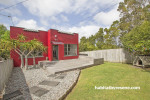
[(70, 49), (36, 53)]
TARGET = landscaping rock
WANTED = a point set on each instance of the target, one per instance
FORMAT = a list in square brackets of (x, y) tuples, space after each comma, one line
[(38, 84)]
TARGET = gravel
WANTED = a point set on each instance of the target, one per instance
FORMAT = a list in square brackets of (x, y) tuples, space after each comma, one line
[(24, 80)]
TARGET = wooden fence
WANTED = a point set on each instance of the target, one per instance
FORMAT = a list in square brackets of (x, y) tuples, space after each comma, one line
[(112, 55), (6, 67)]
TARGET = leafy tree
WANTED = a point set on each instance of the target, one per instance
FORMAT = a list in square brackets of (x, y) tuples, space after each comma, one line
[(83, 44), (31, 47), (92, 40), (24, 48), (91, 43), (19, 46), (138, 39), (134, 25), (103, 39), (107, 39), (3, 29), (114, 33), (91, 47), (132, 13), (100, 38), (5, 46)]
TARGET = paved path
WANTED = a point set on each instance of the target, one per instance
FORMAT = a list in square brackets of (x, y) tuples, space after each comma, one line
[(38, 84)]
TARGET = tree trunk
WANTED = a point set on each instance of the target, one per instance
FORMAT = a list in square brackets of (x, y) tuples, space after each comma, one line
[(26, 59), (22, 61), (26, 62), (21, 56), (34, 64)]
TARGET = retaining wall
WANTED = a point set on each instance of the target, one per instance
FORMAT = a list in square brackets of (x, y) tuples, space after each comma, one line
[(6, 67)]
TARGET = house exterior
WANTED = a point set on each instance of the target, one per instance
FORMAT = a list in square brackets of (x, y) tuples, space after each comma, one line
[(61, 45)]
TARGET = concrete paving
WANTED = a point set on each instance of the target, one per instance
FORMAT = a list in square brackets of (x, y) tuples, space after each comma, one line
[(72, 64), (60, 77), (49, 83), (52, 75), (38, 91), (12, 95)]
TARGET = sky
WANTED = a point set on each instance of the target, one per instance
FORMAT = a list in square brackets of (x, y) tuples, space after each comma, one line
[(84, 17)]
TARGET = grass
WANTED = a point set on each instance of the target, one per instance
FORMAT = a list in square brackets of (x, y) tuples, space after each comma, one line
[(112, 74)]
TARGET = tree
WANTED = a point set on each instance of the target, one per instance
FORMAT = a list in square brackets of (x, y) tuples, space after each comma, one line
[(5, 46), (19, 46), (132, 13), (83, 44), (103, 39), (24, 48), (134, 25), (31, 47), (114, 34), (137, 40), (3, 29), (91, 43), (100, 38)]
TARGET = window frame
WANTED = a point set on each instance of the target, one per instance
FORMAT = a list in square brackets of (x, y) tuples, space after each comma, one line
[(68, 50), (36, 56)]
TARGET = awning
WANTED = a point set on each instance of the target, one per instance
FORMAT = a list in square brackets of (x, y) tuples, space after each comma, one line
[(53, 42)]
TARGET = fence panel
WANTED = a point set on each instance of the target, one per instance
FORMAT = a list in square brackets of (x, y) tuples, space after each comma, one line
[(111, 55)]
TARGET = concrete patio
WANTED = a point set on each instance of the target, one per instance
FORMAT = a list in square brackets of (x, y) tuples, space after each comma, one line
[(54, 67)]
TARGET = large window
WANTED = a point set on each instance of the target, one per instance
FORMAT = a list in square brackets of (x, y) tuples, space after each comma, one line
[(70, 49), (36, 53)]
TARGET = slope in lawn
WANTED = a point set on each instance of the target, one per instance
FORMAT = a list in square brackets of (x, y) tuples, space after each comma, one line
[(112, 74)]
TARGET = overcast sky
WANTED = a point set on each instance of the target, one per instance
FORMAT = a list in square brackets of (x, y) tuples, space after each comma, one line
[(81, 16)]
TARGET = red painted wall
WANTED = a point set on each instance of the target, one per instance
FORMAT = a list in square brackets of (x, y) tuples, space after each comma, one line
[(41, 36), (64, 38), (46, 38)]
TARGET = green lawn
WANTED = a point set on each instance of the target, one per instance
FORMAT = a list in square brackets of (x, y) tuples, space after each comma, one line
[(112, 74)]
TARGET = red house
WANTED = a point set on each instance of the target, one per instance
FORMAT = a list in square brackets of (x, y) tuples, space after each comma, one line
[(61, 45)]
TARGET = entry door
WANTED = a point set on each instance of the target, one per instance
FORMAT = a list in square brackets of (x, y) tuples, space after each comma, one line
[(55, 52)]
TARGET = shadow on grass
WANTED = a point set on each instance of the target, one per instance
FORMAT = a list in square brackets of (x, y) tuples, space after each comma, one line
[(147, 69)]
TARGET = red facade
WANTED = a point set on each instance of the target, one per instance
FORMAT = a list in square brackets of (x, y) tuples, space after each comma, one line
[(55, 40)]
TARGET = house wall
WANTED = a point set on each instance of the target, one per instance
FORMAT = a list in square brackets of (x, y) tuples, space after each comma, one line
[(46, 38), (55, 35), (41, 36)]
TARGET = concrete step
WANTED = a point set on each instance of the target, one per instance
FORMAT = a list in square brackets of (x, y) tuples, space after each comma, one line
[(73, 68)]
